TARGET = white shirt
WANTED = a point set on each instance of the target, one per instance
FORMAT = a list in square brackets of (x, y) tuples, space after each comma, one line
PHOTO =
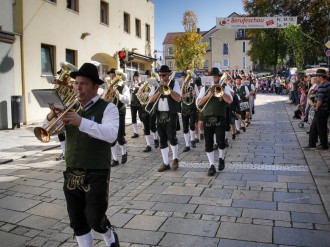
[(125, 96), (163, 103), (107, 130)]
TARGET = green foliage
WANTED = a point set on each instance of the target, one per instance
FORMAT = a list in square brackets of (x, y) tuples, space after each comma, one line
[(188, 48), (270, 47)]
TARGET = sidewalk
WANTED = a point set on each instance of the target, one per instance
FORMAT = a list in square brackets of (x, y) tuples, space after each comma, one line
[(271, 193)]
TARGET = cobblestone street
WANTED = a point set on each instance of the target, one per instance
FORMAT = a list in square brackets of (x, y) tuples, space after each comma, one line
[(271, 193)]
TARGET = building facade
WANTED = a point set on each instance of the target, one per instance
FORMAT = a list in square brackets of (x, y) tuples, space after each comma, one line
[(227, 49), (76, 31)]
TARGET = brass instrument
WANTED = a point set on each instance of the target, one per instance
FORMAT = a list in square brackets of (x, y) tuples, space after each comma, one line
[(64, 85), (44, 133), (143, 93), (111, 94), (163, 90), (217, 91), (187, 91)]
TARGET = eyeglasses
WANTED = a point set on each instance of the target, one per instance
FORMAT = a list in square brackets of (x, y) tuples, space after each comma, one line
[(162, 75)]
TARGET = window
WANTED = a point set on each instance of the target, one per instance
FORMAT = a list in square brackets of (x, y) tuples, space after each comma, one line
[(206, 63), (47, 59), (52, 1), (147, 32), (225, 49), (226, 62), (127, 27), (138, 28), (170, 51), (71, 56), (244, 46), (244, 62), (170, 64), (73, 5), (104, 15)]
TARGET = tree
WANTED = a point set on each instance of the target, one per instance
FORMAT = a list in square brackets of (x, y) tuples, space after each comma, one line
[(312, 18), (188, 48)]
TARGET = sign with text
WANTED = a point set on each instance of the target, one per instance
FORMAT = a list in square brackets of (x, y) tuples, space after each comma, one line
[(255, 22)]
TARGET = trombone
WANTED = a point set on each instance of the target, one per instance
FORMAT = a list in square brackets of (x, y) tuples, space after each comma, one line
[(163, 90), (217, 91)]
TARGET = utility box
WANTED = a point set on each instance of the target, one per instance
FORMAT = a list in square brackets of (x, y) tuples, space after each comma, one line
[(17, 111)]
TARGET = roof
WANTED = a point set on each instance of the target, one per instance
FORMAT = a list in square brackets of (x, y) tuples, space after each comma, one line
[(170, 37)]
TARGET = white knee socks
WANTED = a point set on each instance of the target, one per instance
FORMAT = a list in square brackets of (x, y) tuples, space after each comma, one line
[(135, 127), (165, 155), (85, 240), (186, 139), (114, 152), (109, 237), (148, 140), (175, 150), (210, 156)]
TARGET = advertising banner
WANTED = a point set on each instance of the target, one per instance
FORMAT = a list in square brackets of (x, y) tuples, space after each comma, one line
[(255, 22)]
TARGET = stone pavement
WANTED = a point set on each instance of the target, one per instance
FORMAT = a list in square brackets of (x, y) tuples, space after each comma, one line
[(271, 193)]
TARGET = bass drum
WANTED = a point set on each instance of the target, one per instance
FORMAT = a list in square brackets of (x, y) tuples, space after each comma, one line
[(244, 106)]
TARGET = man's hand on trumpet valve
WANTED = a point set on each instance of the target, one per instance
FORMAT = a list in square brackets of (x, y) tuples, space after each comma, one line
[(72, 118)]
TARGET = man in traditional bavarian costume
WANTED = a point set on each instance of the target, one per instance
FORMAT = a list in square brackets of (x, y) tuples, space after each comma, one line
[(214, 118), (251, 89), (188, 112), (89, 133), (152, 115), (135, 103), (167, 108), (122, 97), (243, 93)]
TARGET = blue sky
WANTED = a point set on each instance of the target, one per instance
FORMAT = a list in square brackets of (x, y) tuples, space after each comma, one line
[(169, 14)]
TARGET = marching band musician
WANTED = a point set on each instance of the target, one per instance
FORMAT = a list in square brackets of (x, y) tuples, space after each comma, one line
[(122, 98), (152, 115), (135, 103), (214, 118), (243, 93), (167, 108), (251, 89), (89, 132), (188, 112)]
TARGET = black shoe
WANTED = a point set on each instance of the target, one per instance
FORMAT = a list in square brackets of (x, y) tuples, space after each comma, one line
[(233, 136), (309, 148), (147, 149), (215, 146), (61, 157), (124, 158), (156, 142), (322, 148), (244, 129), (196, 140), (114, 163), (211, 171), (186, 149), (135, 135), (193, 144), (238, 132), (163, 167), (201, 137), (116, 243), (226, 143), (221, 164)]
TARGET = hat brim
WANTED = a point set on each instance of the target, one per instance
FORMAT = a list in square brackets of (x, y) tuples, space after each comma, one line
[(74, 74), (321, 74)]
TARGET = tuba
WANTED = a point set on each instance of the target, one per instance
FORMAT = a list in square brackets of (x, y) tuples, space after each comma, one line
[(186, 90), (143, 93), (64, 85), (217, 91), (111, 94)]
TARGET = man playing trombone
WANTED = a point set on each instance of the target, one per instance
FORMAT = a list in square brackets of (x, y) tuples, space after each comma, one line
[(166, 102), (214, 100)]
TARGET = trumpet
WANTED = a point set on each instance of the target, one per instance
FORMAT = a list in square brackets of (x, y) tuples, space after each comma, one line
[(163, 90), (111, 94), (217, 91), (187, 91), (44, 133)]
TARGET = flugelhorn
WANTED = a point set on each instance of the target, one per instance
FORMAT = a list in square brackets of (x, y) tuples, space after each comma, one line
[(44, 133), (217, 91), (163, 90)]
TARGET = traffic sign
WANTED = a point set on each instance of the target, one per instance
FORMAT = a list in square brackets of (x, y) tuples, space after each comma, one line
[(327, 53), (327, 44)]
